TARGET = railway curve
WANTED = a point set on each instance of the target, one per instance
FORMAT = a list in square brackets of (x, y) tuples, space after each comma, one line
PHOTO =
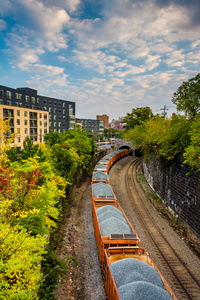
[(185, 281)]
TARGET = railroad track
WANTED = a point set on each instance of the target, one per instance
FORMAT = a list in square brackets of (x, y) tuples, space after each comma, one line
[(187, 285)]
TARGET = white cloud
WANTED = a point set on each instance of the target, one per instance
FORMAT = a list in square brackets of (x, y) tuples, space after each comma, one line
[(3, 24), (195, 44), (62, 58), (176, 59), (69, 5)]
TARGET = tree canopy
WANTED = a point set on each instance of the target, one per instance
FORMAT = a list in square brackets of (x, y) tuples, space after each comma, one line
[(138, 116), (187, 97)]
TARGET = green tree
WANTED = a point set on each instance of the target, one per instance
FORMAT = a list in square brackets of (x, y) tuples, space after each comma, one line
[(161, 138), (137, 116), (192, 152), (187, 97)]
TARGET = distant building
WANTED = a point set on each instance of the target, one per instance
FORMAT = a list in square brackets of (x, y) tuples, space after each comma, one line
[(117, 124), (34, 115), (104, 118), (95, 126)]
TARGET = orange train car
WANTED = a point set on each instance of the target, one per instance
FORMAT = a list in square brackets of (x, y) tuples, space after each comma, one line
[(102, 192), (112, 228), (110, 157), (105, 161), (101, 167), (100, 176), (138, 254)]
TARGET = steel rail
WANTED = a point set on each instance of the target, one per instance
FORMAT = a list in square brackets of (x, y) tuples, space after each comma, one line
[(158, 231)]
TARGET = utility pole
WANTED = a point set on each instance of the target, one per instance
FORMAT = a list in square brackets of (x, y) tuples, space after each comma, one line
[(164, 109)]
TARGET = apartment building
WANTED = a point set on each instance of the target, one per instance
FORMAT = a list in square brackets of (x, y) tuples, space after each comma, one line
[(104, 118), (25, 122), (34, 115), (95, 126)]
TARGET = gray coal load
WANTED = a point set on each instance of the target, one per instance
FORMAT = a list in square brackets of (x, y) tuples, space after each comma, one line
[(111, 221), (136, 279), (142, 290)]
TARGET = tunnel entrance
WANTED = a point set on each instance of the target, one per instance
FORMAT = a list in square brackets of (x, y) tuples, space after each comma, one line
[(131, 151)]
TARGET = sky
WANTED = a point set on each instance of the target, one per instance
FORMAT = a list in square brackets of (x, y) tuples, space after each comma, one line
[(108, 56)]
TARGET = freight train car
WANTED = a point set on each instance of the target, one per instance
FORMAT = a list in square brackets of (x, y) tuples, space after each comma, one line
[(112, 228), (132, 274), (100, 176), (128, 270), (102, 192)]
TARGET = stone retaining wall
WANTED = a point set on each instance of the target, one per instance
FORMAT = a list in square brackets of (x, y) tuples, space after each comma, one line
[(180, 192)]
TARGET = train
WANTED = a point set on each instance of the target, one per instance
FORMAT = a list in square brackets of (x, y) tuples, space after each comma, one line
[(127, 269)]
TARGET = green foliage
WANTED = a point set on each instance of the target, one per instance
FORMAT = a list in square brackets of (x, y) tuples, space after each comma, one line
[(53, 268), (65, 160), (138, 116), (110, 133), (32, 194), (175, 139), (160, 137), (82, 143), (53, 138), (20, 269), (192, 152), (187, 97)]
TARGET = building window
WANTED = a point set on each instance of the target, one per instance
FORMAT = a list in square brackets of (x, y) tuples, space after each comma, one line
[(49, 102), (50, 109), (25, 113), (33, 106), (40, 123), (18, 121), (33, 99), (1, 101), (16, 96), (26, 130), (55, 123), (27, 98), (45, 130), (9, 95), (18, 113), (18, 139), (59, 130), (59, 104), (45, 123), (45, 101), (49, 117), (63, 111), (45, 116), (63, 104), (20, 96), (18, 130), (70, 109), (50, 123), (55, 110), (40, 115), (38, 100), (1, 93), (59, 124), (54, 117)]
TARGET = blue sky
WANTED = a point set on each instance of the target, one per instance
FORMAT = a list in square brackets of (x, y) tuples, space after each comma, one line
[(108, 56)]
